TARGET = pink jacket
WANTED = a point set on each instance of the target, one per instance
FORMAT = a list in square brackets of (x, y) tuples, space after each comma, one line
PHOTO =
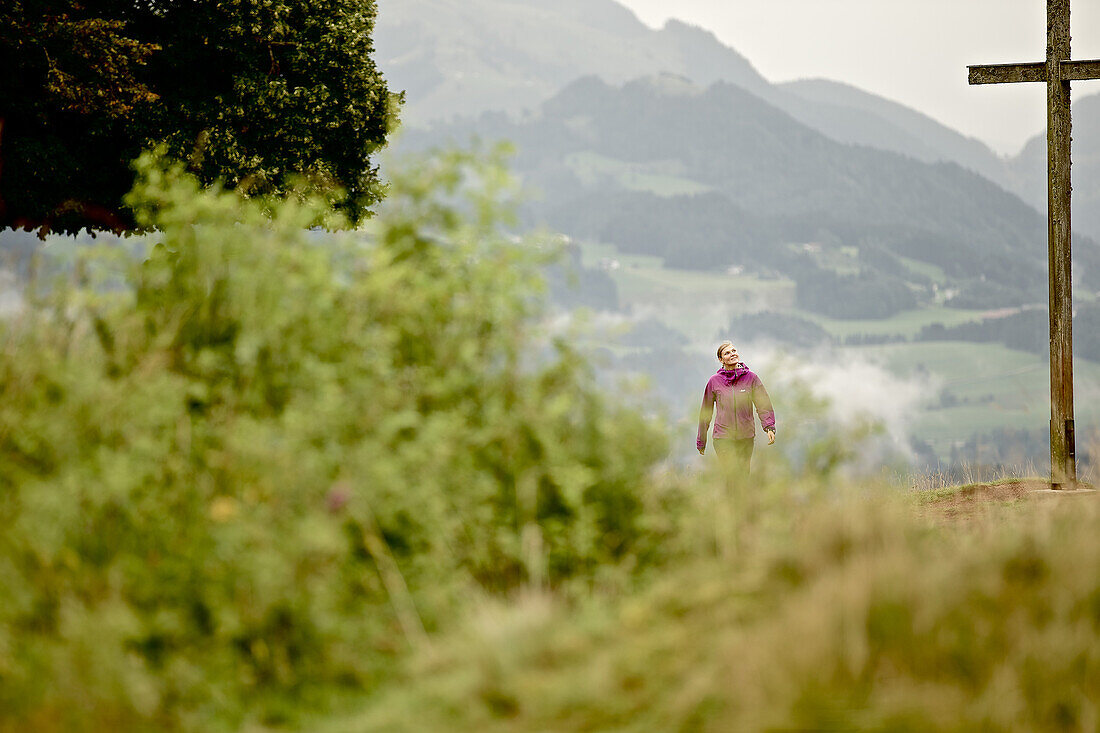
[(734, 392)]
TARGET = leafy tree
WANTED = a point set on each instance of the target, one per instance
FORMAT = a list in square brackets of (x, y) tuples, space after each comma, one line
[(253, 93), (69, 91)]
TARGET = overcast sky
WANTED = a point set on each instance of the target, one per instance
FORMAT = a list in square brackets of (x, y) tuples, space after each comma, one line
[(912, 51)]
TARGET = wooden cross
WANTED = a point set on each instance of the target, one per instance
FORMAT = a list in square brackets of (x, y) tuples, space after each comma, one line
[(1057, 71)]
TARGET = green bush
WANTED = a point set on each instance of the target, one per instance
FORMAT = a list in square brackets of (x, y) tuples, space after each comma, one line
[(248, 468), (834, 613)]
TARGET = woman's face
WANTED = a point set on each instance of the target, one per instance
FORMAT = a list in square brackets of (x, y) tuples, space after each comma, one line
[(730, 357)]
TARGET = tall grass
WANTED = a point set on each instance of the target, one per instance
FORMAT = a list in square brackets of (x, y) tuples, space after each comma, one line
[(839, 610)]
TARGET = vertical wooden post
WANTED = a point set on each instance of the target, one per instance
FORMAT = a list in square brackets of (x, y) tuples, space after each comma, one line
[(1057, 72), (1063, 469)]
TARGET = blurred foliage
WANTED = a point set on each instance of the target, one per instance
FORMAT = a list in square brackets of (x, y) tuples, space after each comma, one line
[(833, 611), (245, 465), (253, 93)]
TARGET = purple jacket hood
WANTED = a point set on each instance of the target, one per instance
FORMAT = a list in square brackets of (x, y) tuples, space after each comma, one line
[(729, 376)]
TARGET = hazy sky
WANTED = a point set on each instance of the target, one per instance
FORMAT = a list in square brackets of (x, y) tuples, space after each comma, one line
[(912, 51)]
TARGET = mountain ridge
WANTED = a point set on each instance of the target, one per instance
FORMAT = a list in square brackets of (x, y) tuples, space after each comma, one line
[(457, 60), (520, 53), (929, 139), (719, 177), (1027, 171)]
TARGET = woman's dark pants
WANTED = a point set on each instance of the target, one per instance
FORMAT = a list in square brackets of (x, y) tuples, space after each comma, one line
[(735, 455)]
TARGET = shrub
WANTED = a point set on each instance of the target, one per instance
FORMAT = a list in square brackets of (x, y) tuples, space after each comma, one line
[(249, 467)]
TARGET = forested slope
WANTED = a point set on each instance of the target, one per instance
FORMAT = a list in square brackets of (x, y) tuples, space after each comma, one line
[(718, 177)]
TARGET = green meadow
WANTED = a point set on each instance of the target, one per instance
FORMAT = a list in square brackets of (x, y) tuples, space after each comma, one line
[(657, 177)]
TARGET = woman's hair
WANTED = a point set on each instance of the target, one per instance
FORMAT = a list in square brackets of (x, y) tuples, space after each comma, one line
[(721, 346)]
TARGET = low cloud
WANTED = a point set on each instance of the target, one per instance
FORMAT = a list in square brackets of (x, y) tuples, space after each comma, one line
[(855, 388)]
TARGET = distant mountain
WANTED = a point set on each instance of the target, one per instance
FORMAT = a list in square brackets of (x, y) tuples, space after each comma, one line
[(461, 59), (757, 163), (848, 114), (1028, 170), (718, 177)]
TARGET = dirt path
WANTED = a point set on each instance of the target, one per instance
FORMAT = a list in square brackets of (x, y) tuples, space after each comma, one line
[(965, 502)]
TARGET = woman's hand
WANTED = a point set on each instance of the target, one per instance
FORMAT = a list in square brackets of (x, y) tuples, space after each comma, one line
[(702, 451), (771, 437)]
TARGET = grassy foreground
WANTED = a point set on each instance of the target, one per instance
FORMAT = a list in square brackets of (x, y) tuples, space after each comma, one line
[(854, 612)]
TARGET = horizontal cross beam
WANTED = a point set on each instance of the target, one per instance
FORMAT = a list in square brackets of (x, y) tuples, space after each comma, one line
[(1080, 70), (1008, 73)]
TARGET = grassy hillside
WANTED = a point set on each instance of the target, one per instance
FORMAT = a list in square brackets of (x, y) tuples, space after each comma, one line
[(979, 388)]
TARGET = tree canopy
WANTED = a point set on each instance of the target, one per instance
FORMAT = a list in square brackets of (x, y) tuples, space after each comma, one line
[(252, 93)]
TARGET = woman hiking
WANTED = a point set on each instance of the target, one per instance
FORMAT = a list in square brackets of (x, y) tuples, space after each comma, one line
[(730, 396)]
